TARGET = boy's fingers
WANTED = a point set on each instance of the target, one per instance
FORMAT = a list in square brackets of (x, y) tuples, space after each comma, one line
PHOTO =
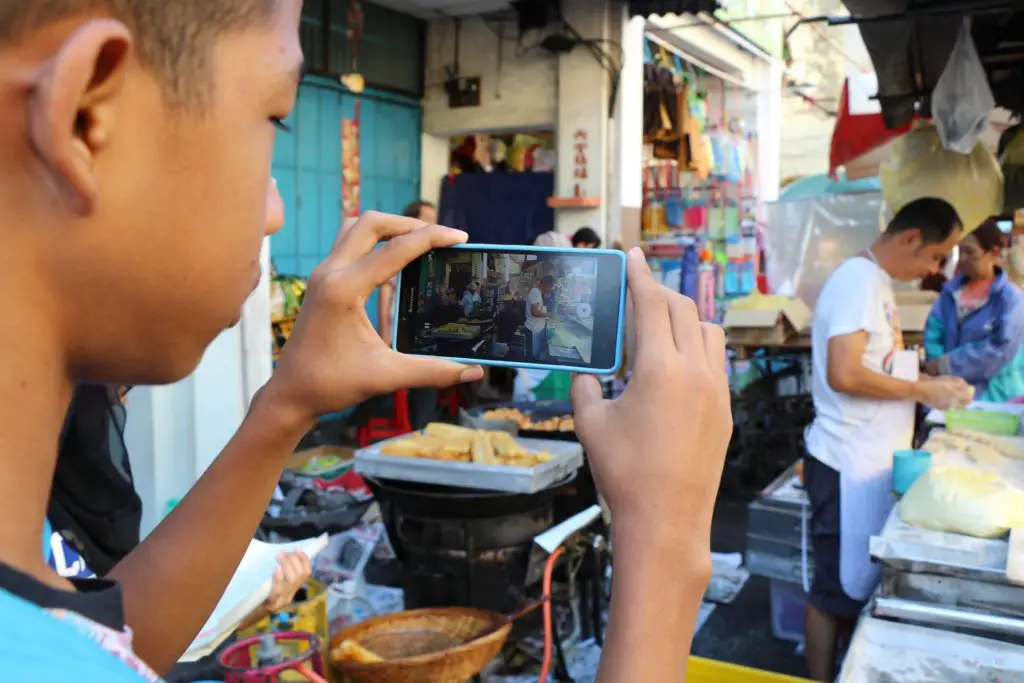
[(686, 330), (384, 263), (650, 312), (360, 238)]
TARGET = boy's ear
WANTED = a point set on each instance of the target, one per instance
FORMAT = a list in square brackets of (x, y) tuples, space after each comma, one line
[(71, 107)]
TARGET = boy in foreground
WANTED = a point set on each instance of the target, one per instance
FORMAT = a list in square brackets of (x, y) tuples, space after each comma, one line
[(135, 187)]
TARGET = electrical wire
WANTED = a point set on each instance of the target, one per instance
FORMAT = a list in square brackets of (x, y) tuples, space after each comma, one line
[(549, 569)]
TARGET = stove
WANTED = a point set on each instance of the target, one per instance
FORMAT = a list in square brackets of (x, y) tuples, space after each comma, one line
[(461, 547)]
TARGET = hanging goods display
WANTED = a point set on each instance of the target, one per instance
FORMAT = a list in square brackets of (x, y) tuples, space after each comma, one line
[(921, 167)]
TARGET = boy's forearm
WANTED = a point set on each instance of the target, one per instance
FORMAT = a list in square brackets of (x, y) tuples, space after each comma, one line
[(176, 576), (657, 588)]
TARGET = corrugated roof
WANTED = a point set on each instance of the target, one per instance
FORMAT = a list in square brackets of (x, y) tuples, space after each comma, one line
[(646, 8), (910, 53)]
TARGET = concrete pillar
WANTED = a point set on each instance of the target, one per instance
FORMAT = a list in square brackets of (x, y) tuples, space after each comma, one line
[(769, 129), (624, 224), (584, 91), (434, 166)]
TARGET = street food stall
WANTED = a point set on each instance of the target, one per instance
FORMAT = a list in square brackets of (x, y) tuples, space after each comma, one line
[(951, 603)]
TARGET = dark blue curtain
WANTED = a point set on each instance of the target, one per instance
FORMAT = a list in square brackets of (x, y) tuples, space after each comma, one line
[(498, 208)]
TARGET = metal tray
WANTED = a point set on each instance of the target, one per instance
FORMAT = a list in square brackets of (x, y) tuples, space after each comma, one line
[(568, 458), (534, 409)]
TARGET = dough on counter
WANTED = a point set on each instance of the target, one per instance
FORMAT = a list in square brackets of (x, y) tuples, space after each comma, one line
[(963, 500)]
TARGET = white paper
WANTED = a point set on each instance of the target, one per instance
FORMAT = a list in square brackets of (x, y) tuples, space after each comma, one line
[(249, 588)]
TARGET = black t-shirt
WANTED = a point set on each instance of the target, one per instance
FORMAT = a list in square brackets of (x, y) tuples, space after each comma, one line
[(93, 503), (100, 600)]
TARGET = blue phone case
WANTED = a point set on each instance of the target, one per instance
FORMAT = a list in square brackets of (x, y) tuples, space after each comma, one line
[(619, 333)]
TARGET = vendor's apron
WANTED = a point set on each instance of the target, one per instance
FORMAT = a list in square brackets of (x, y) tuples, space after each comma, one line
[(865, 480)]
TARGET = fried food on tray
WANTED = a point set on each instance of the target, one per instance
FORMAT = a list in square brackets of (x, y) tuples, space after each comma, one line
[(558, 423), (459, 444), (351, 652)]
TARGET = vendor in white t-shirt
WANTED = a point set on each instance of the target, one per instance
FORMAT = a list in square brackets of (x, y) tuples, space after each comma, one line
[(865, 389), (537, 316)]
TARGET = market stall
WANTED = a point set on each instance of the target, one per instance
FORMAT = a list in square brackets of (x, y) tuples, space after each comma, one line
[(950, 601), (700, 218)]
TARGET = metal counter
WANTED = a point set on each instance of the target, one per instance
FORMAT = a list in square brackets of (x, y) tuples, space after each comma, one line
[(946, 581), (885, 651)]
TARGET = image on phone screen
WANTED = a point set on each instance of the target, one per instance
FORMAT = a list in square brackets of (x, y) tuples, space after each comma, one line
[(514, 306)]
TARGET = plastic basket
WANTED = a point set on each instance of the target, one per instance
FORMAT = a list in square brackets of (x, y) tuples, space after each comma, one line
[(987, 422), (710, 671), (788, 602)]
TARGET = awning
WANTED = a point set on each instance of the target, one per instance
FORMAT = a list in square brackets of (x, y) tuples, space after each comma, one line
[(859, 141), (910, 42), (646, 8)]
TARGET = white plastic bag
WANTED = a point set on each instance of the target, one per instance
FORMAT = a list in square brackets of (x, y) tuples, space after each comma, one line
[(962, 99)]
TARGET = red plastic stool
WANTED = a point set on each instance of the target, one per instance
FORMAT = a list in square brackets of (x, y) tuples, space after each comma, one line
[(450, 401), (380, 428)]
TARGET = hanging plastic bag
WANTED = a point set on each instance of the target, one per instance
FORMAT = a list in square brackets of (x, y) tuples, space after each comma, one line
[(962, 99), (920, 167)]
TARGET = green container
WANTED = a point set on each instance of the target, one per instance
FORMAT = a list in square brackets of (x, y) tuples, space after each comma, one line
[(986, 422), (557, 386)]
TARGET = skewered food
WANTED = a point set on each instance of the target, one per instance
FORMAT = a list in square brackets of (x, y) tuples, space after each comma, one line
[(559, 423), (459, 444)]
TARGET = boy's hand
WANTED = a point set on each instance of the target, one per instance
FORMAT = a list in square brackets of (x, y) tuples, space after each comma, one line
[(334, 357), (658, 451)]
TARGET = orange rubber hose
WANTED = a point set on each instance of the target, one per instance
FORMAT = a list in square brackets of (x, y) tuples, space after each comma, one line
[(312, 675), (549, 569)]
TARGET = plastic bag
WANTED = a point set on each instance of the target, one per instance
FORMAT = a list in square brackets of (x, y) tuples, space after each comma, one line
[(962, 99), (963, 500), (920, 167)]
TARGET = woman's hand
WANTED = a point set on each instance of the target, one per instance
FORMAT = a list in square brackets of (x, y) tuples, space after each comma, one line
[(292, 572)]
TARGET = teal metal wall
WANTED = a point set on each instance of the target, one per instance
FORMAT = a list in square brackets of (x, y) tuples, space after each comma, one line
[(307, 165)]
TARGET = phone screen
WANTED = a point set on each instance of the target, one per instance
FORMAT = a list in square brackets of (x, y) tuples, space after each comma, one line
[(519, 307)]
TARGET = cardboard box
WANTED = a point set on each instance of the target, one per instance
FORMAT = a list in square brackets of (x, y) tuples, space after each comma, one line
[(914, 308), (768, 326)]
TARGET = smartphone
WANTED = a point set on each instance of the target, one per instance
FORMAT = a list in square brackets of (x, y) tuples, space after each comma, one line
[(523, 307)]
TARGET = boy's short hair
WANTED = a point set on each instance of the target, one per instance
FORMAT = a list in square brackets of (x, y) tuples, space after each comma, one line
[(173, 38), (414, 209)]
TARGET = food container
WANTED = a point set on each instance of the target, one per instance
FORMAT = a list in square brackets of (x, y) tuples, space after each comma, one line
[(535, 410), (985, 421), (567, 459), (907, 466)]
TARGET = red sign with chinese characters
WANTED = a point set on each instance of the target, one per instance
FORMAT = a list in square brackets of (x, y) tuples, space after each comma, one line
[(580, 172)]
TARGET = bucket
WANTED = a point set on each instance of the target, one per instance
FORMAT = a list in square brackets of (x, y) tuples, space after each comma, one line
[(907, 466)]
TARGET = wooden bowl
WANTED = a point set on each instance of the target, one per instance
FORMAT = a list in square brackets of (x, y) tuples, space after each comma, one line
[(423, 646)]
